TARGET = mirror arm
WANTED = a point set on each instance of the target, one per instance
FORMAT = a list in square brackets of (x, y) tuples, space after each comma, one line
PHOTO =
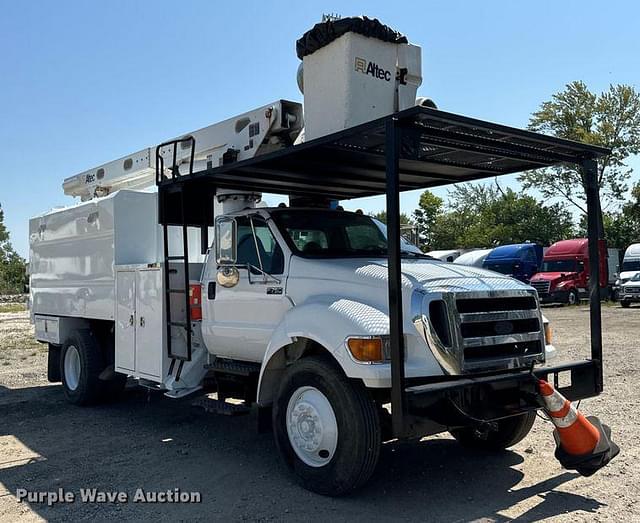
[(255, 242)]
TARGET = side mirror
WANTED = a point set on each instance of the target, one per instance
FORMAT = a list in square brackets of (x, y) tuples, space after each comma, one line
[(228, 276), (226, 241)]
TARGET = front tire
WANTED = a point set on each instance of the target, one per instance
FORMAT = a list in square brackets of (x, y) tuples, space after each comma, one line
[(510, 431), (625, 303), (80, 367), (573, 298), (326, 427)]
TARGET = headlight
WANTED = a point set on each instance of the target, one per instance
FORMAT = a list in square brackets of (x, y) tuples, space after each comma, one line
[(618, 282)]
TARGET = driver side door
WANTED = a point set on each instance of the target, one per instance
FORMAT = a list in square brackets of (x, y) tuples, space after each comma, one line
[(239, 321)]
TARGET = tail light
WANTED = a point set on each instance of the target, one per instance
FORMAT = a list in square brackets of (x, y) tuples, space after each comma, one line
[(195, 301)]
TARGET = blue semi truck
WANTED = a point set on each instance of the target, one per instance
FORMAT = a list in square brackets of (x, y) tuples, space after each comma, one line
[(520, 260)]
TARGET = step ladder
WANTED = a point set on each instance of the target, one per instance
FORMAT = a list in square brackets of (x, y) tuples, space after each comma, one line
[(176, 353)]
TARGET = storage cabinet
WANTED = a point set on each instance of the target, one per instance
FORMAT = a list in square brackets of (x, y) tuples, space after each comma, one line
[(140, 330)]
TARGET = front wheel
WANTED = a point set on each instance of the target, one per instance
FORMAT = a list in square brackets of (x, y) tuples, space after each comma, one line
[(510, 431), (573, 298), (326, 427), (625, 303)]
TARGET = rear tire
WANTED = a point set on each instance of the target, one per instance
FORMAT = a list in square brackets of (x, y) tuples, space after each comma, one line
[(80, 367), (510, 431), (326, 427)]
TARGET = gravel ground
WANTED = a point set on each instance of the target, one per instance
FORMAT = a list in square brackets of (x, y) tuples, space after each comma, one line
[(150, 442)]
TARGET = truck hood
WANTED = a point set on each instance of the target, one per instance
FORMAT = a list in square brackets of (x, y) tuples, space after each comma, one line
[(430, 275), (552, 276), (627, 275)]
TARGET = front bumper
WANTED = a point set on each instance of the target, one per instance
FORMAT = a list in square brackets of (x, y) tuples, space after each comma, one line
[(467, 401), (554, 297), (629, 296)]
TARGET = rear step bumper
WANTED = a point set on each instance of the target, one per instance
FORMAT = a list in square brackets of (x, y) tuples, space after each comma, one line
[(437, 406)]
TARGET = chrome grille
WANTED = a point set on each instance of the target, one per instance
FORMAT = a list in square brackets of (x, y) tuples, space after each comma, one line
[(481, 331), (541, 286)]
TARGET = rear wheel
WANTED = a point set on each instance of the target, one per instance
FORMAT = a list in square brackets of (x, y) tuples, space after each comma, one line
[(510, 431), (80, 367), (81, 363), (326, 427)]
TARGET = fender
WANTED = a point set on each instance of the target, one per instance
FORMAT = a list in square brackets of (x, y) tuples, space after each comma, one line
[(327, 321)]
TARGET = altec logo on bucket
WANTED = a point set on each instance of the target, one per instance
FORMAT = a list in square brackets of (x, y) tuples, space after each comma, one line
[(365, 67)]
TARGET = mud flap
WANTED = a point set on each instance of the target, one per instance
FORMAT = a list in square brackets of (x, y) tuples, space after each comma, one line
[(588, 464)]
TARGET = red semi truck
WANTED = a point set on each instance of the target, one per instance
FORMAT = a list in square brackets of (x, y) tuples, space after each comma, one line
[(564, 275)]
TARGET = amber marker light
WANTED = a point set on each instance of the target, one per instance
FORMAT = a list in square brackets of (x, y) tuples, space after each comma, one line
[(366, 350)]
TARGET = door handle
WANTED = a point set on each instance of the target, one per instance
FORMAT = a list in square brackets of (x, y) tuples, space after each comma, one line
[(141, 321), (131, 320)]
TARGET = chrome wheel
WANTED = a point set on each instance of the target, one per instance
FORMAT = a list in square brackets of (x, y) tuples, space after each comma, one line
[(311, 426), (72, 367)]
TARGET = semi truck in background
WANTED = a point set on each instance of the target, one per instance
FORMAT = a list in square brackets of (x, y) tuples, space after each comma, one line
[(446, 255), (520, 261), (473, 258), (630, 264), (564, 275)]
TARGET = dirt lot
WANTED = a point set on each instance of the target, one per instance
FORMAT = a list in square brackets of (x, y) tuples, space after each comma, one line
[(149, 442)]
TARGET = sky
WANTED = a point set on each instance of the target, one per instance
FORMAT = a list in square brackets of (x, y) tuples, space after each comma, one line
[(88, 82)]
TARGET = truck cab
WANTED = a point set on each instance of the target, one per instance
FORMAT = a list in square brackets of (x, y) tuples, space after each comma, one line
[(564, 276), (520, 261), (282, 277), (630, 264)]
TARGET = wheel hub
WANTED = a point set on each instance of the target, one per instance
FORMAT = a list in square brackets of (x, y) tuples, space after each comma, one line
[(72, 367), (311, 426)]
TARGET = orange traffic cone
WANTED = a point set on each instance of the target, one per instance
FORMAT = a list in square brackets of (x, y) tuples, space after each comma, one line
[(582, 443)]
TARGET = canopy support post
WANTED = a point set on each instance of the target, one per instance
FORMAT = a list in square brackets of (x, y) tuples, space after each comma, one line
[(595, 236), (392, 154)]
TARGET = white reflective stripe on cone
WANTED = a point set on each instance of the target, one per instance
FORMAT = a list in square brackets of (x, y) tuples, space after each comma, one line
[(554, 402), (566, 421)]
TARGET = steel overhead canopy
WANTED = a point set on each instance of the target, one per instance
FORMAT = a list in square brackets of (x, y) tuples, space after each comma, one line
[(437, 148)]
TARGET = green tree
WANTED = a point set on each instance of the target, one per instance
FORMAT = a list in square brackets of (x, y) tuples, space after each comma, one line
[(382, 216), (12, 266), (610, 119), (429, 208), (621, 228), (481, 215)]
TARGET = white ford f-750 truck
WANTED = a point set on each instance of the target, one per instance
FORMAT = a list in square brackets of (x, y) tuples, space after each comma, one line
[(306, 310)]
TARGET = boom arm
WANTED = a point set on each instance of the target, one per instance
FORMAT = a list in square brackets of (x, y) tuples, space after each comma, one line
[(253, 133)]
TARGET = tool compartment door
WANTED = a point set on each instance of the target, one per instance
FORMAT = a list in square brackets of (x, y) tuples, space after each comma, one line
[(125, 321), (149, 323)]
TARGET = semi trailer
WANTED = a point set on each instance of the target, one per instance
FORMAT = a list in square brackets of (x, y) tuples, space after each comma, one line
[(337, 336)]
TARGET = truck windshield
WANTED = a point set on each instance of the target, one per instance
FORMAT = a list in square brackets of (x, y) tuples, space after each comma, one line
[(631, 265), (330, 234), (559, 266)]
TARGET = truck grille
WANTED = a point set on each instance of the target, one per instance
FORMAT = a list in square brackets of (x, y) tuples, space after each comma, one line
[(632, 289), (476, 332), (541, 286), (499, 332)]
